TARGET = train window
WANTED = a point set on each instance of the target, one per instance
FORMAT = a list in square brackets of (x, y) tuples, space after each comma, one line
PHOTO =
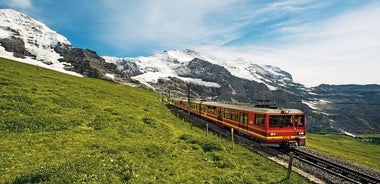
[(211, 109), (244, 118), (299, 120), (259, 119), (279, 121), (227, 113), (234, 114), (195, 106)]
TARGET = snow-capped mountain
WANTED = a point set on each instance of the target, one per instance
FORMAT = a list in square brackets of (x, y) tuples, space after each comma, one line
[(173, 64), (149, 70), (27, 40), (38, 38)]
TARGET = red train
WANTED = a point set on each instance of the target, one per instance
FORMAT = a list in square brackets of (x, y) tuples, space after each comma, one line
[(269, 126)]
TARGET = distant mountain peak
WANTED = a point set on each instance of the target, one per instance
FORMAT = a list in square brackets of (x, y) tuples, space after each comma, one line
[(174, 63)]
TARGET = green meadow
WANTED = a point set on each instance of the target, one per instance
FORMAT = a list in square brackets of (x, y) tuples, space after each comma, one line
[(57, 128), (364, 150)]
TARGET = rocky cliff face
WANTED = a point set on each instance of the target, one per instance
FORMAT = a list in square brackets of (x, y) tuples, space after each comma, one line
[(231, 87), (353, 108), (88, 63), (16, 46)]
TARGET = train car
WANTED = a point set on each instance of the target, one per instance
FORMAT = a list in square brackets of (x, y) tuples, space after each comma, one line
[(269, 126)]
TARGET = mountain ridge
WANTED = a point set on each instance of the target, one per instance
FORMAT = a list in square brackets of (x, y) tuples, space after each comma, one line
[(26, 40)]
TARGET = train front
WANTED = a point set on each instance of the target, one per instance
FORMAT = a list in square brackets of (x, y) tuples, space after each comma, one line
[(286, 127)]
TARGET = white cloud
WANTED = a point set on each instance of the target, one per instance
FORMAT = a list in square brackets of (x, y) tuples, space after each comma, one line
[(173, 24), (22, 4), (164, 24), (340, 50)]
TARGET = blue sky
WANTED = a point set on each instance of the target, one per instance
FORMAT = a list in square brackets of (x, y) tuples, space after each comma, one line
[(333, 41)]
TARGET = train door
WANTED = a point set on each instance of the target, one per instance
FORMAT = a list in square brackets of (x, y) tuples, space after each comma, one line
[(299, 129), (243, 122), (220, 116)]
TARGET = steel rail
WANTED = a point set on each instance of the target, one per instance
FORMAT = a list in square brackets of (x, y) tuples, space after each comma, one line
[(335, 169)]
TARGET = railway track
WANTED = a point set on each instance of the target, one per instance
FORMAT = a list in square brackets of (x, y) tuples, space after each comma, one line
[(326, 171), (335, 169)]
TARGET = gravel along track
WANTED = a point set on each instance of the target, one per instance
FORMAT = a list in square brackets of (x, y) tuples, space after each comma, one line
[(336, 170)]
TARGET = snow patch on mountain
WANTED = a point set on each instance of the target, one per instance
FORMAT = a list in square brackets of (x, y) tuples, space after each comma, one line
[(319, 105)]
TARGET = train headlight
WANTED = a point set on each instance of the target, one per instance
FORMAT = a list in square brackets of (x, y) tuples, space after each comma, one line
[(301, 133), (272, 134)]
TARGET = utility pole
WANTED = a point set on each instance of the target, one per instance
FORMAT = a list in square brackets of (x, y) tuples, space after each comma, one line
[(162, 96), (188, 97), (291, 155)]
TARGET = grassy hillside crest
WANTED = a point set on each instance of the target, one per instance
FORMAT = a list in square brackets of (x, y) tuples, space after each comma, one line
[(57, 128), (364, 151)]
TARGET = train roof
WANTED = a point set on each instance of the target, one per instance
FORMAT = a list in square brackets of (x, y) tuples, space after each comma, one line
[(247, 107), (250, 108)]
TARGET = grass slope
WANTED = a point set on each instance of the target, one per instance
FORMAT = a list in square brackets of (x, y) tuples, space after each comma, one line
[(57, 128), (346, 148)]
